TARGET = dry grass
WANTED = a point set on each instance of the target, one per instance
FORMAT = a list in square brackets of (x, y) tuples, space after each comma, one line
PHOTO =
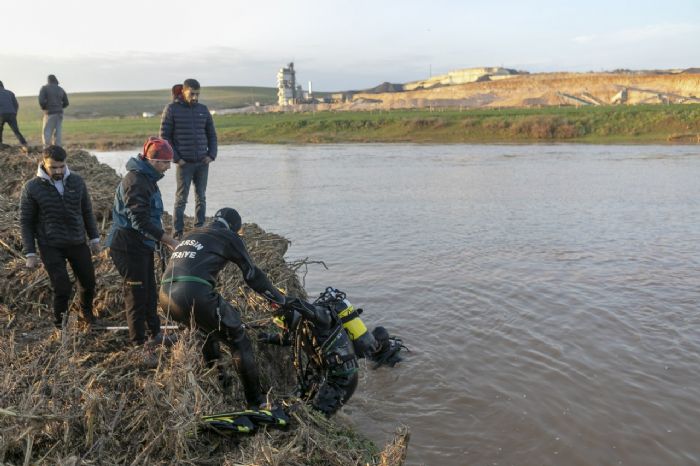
[(85, 397)]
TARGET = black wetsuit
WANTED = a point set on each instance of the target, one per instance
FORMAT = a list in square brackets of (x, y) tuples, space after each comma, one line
[(341, 369), (188, 287), (333, 345)]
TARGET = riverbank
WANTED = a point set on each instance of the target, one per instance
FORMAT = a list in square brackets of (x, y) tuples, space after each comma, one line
[(80, 396), (640, 124)]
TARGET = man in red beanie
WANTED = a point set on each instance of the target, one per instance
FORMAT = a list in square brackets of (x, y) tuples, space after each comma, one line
[(136, 228)]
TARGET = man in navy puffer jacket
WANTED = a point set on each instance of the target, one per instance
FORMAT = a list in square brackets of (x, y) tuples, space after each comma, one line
[(188, 126)]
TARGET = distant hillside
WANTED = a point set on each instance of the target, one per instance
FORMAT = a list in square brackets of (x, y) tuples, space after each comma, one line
[(134, 103), (509, 90)]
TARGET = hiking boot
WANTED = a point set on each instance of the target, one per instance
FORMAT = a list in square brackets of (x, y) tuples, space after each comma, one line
[(161, 338), (92, 322), (145, 357), (177, 236)]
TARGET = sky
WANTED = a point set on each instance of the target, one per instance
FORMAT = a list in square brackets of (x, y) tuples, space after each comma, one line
[(123, 45)]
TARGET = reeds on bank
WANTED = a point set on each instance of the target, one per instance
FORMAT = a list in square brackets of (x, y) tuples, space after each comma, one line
[(82, 396)]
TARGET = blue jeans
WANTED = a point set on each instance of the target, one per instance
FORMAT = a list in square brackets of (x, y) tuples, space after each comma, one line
[(191, 172)]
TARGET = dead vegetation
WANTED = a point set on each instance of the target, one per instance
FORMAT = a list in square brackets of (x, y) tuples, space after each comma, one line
[(84, 397)]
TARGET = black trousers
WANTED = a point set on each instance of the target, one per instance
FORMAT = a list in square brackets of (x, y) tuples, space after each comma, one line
[(11, 119), (140, 292), (80, 260), (219, 321)]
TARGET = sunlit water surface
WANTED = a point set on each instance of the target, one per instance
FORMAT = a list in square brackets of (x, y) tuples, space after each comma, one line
[(548, 293)]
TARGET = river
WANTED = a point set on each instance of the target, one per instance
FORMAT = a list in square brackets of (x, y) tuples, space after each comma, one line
[(548, 293)]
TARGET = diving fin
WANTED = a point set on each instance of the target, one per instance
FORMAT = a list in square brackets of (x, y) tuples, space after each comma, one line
[(228, 424), (275, 417)]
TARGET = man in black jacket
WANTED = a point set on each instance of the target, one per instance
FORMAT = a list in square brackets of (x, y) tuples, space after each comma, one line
[(56, 212), (188, 126), (8, 114), (52, 100), (189, 288)]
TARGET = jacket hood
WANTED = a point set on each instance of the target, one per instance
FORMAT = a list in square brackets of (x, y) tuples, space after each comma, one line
[(137, 164), (41, 173)]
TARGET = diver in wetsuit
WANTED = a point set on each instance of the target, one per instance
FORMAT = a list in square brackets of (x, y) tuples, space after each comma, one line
[(188, 287), (330, 346), (333, 342)]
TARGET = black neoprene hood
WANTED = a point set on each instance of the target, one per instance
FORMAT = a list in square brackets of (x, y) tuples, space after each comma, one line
[(231, 216)]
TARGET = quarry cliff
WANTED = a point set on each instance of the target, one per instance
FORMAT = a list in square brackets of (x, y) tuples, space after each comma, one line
[(517, 89)]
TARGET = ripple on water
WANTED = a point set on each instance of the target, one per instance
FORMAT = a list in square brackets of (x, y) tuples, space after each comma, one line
[(548, 292)]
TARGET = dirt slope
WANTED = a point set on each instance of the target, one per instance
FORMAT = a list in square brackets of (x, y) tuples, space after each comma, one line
[(84, 397), (544, 90)]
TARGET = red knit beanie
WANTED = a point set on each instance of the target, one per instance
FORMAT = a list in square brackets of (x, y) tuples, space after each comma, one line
[(157, 149)]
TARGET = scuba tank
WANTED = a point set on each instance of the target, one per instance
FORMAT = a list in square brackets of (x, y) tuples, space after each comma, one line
[(363, 341)]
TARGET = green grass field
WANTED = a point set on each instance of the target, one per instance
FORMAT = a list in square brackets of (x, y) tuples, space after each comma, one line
[(108, 120), (88, 105)]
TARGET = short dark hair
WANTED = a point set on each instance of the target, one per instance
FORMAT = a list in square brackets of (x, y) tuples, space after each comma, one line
[(2, 85), (191, 83), (52, 79), (56, 153)]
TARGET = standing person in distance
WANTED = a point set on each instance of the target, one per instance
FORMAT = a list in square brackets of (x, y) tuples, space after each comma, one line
[(8, 114), (136, 227), (188, 126), (176, 92), (52, 100), (55, 211)]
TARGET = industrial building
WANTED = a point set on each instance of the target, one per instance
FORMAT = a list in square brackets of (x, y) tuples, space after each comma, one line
[(288, 91)]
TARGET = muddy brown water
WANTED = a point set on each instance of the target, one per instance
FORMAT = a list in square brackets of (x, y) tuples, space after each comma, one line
[(549, 293)]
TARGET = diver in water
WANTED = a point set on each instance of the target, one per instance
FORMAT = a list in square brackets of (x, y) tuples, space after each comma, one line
[(329, 349), (333, 341), (386, 352)]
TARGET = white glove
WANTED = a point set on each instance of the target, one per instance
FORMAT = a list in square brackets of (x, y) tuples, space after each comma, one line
[(32, 262), (95, 247)]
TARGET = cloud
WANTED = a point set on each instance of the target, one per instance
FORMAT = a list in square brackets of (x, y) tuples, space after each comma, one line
[(585, 39), (215, 66), (631, 36)]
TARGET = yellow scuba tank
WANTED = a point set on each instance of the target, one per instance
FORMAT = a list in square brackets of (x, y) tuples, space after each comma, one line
[(350, 319), (361, 338)]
